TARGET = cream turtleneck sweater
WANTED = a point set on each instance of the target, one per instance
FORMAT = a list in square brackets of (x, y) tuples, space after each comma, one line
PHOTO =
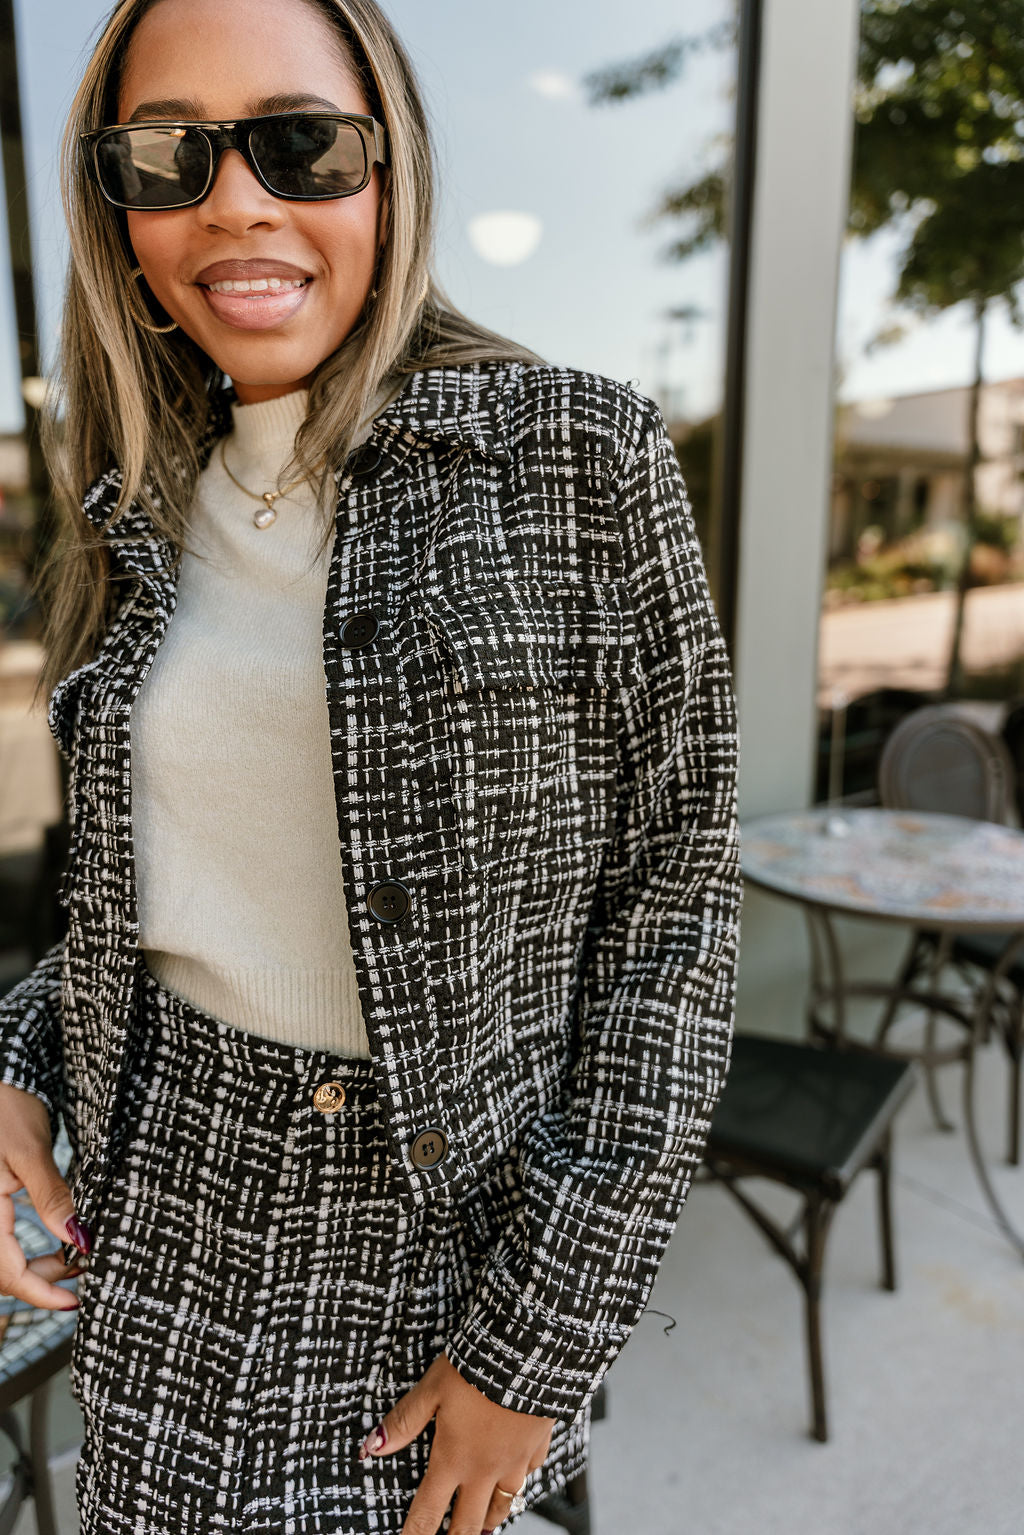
[(238, 864)]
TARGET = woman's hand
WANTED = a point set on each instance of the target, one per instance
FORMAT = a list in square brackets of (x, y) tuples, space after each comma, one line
[(26, 1161), (478, 1447)]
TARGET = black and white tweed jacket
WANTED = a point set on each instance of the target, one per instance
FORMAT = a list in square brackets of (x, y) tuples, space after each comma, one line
[(535, 750)]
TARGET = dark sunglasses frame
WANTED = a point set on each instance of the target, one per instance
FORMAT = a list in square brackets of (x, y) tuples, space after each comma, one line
[(236, 134)]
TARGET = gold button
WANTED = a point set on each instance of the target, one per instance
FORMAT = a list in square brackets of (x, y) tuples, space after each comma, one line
[(329, 1097)]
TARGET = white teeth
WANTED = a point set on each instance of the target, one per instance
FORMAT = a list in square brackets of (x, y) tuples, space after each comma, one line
[(257, 284)]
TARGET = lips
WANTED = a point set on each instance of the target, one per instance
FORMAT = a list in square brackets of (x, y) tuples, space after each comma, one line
[(244, 271), (254, 295)]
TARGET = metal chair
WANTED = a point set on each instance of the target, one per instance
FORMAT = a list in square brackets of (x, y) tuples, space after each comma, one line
[(812, 1118), (937, 760)]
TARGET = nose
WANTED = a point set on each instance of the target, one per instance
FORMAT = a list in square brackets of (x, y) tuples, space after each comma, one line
[(236, 202)]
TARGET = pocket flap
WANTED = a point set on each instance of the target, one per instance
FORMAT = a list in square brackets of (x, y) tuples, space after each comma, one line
[(524, 633)]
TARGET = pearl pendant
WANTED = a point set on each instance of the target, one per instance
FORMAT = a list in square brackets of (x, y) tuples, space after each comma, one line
[(264, 517)]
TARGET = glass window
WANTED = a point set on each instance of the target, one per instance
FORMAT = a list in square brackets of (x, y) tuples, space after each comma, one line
[(922, 601)]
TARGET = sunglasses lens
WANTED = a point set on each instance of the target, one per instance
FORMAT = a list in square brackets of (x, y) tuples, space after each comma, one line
[(153, 167), (310, 156)]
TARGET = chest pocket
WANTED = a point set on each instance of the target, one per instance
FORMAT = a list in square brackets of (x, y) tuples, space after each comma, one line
[(530, 673)]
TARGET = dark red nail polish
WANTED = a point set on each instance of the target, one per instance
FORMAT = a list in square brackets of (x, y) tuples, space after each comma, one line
[(79, 1233), (374, 1441)]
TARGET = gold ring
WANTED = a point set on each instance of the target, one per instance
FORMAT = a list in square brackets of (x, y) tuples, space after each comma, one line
[(504, 1493)]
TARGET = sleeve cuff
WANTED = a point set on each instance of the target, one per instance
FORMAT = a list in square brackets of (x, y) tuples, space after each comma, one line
[(18, 1072), (525, 1357)]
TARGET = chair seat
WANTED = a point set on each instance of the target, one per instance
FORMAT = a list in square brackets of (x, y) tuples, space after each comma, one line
[(985, 950), (805, 1114)]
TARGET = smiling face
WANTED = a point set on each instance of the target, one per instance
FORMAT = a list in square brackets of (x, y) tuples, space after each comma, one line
[(219, 60)]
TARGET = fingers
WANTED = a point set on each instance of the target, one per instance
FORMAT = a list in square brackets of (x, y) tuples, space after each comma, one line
[(30, 1280), (406, 1420), (27, 1163), (478, 1507), (478, 1447), (499, 1505), (431, 1501), (52, 1267)]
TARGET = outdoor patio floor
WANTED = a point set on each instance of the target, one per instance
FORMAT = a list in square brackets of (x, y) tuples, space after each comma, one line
[(707, 1427)]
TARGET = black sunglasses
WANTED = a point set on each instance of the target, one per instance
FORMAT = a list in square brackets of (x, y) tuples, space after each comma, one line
[(301, 156)]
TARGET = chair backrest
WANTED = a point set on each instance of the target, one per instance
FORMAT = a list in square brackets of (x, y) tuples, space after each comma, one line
[(938, 760)]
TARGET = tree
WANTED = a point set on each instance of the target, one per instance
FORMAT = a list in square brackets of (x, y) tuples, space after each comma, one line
[(938, 155)]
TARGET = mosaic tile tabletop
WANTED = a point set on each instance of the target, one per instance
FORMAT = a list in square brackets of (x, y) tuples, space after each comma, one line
[(928, 869)]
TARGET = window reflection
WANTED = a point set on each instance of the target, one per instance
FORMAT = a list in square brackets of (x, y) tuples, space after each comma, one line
[(922, 601)]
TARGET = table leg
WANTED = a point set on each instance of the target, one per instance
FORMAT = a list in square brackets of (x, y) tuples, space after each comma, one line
[(931, 1084), (826, 975), (907, 974), (978, 1034)]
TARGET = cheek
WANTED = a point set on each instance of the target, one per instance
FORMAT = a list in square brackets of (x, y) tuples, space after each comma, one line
[(345, 237), (159, 241)]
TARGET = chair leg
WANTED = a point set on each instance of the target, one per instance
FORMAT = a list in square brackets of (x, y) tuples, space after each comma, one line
[(883, 1163), (569, 1510), (21, 1472), (1015, 1051), (931, 1081), (39, 1451), (818, 1213)]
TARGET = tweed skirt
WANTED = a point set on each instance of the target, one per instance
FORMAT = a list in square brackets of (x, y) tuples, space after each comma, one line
[(257, 1299)]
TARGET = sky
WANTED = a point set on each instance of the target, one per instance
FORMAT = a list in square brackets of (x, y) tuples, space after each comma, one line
[(543, 198)]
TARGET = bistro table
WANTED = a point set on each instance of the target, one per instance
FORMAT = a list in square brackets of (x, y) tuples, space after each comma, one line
[(940, 874)]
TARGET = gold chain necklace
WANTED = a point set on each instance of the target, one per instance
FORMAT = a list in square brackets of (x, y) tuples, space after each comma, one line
[(268, 514)]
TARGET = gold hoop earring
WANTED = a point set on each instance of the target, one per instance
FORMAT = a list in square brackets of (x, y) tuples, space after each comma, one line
[(147, 324)]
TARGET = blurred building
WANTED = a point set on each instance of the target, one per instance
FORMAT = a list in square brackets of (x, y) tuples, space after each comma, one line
[(900, 463)]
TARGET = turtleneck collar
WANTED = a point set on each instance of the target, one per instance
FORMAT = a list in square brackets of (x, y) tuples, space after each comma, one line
[(267, 429)]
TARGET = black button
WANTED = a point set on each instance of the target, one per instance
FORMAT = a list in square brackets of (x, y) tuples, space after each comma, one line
[(429, 1148), (389, 901), (359, 630), (365, 458)]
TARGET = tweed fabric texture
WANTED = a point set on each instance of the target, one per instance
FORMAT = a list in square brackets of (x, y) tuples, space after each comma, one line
[(535, 762), (257, 1298)]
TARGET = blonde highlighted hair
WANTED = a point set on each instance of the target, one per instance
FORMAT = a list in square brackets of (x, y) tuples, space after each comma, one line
[(126, 396)]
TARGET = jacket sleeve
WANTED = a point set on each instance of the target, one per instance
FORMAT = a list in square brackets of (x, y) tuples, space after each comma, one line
[(31, 1055), (605, 1176)]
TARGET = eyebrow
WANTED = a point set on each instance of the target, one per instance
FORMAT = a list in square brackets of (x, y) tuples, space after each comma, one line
[(181, 108)]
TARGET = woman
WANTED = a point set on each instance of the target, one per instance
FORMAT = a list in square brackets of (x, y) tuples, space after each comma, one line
[(402, 899)]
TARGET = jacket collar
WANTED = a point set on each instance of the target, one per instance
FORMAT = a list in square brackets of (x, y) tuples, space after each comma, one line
[(459, 404)]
